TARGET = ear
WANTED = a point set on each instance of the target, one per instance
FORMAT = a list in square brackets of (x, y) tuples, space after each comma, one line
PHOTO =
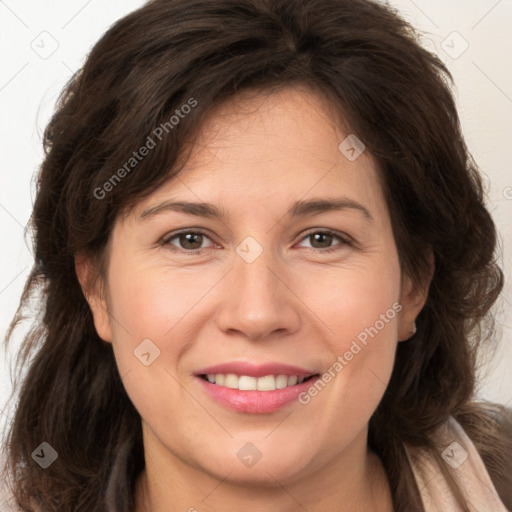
[(93, 289), (413, 297)]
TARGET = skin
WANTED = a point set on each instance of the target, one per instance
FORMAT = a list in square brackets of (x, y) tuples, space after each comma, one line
[(293, 305)]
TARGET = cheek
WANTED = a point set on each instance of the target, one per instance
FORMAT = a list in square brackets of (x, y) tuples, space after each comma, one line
[(139, 310), (158, 304), (147, 310), (353, 301), (152, 301), (361, 308)]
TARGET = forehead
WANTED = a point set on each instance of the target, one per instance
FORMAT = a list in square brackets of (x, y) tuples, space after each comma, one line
[(271, 148), (289, 119)]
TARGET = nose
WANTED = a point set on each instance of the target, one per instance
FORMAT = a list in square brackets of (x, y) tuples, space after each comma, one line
[(257, 301)]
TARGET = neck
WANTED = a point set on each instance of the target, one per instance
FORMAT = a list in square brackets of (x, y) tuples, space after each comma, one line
[(354, 480)]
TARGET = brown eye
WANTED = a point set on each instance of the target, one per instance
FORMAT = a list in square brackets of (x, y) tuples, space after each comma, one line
[(322, 241), (190, 240), (319, 240), (186, 241)]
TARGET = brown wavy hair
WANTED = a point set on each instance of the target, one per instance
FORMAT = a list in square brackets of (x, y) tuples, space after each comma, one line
[(396, 96)]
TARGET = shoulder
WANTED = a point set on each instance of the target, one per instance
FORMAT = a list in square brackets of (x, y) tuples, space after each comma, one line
[(456, 457), (489, 427), (7, 501)]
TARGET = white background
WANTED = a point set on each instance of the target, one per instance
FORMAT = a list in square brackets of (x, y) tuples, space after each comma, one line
[(31, 78)]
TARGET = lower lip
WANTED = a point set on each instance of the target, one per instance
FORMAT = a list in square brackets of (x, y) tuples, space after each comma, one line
[(256, 402)]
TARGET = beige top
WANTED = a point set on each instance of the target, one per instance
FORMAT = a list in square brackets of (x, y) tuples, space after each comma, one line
[(467, 467), (461, 457)]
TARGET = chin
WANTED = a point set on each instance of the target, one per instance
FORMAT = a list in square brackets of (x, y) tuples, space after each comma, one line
[(249, 466)]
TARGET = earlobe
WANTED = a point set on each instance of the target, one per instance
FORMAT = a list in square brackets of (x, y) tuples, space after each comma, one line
[(93, 290), (413, 300), (409, 335), (414, 296)]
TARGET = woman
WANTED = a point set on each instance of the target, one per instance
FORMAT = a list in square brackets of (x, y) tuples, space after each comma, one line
[(200, 348)]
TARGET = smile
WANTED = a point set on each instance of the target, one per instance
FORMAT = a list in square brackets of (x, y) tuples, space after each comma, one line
[(250, 383), (266, 389)]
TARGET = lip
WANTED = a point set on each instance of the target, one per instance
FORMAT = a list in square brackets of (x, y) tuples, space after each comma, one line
[(255, 402), (260, 370)]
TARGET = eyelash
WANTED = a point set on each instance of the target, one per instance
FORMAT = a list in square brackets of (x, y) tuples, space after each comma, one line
[(345, 240)]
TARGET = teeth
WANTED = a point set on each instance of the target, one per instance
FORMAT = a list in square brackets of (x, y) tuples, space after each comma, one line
[(231, 381), (248, 383), (281, 381), (267, 383)]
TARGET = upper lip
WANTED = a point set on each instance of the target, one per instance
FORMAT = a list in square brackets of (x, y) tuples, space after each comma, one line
[(256, 370)]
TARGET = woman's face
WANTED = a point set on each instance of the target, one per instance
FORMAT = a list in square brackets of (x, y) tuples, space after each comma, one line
[(274, 290)]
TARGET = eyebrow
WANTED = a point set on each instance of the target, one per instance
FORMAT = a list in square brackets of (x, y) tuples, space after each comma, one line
[(299, 209)]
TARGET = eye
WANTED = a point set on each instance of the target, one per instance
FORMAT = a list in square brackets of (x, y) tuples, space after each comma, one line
[(321, 240), (188, 241), (191, 242)]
